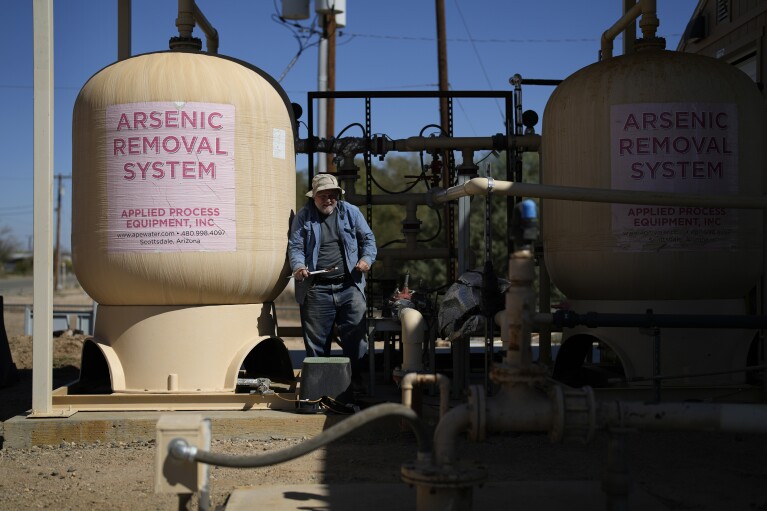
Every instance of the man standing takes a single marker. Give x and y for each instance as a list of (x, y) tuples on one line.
[(330, 234)]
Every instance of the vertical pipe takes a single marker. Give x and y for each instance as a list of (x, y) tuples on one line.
[(630, 34), (185, 20), (42, 337), (616, 481), (656, 362), (123, 29)]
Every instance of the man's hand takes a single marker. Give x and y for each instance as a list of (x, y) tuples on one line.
[(300, 274), (362, 266)]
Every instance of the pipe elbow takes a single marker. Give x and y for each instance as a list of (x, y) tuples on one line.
[(455, 422)]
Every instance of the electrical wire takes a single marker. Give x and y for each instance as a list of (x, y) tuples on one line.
[(298, 31), (479, 59)]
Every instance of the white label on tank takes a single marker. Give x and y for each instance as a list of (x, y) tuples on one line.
[(278, 143), (170, 177), (688, 148)]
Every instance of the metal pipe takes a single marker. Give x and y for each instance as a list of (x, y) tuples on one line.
[(479, 185), (519, 408), (611, 33), (211, 34), (724, 417), (185, 20), (412, 324), (411, 380), (648, 24), (498, 142), (420, 254), (455, 422), (518, 311), (570, 319)]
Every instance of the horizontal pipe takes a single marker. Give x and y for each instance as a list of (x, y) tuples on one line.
[(419, 254), (479, 185), (570, 319), (724, 417)]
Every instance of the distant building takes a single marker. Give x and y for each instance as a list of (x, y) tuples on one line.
[(16, 259), (731, 30)]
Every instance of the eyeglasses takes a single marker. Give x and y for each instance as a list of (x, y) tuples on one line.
[(327, 196)]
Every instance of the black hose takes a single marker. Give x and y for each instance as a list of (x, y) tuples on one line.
[(329, 435)]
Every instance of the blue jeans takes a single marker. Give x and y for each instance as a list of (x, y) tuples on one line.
[(340, 304)]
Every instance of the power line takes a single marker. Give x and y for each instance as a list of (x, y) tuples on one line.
[(479, 59), (567, 40)]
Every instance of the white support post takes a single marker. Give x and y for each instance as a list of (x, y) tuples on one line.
[(42, 338)]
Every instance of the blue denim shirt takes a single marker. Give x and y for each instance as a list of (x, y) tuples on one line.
[(304, 243)]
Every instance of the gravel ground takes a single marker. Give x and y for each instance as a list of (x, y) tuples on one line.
[(706, 471)]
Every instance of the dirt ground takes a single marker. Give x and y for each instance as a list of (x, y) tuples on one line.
[(679, 471)]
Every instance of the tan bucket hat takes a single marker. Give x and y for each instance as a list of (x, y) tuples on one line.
[(324, 182)]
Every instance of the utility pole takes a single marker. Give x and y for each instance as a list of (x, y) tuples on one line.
[(442, 65), (57, 254), (322, 86), (330, 28)]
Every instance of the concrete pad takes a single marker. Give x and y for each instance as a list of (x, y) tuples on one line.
[(22, 432), (520, 496)]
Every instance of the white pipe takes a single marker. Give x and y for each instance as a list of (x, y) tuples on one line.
[(478, 186), (412, 324), (455, 422), (411, 380), (724, 417)]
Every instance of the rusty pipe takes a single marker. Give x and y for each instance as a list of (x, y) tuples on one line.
[(649, 25), (411, 380), (724, 417)]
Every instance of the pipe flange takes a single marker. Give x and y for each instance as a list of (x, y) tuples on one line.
[(574, 414), (431, 476), (502, 374), (477, 408)]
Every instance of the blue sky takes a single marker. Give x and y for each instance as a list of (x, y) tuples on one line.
[(385, 46)]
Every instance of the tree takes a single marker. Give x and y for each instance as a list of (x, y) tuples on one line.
[(8, 244)]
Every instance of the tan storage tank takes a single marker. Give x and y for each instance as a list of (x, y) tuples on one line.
[(184, 180), (654, 121), (183, 187)]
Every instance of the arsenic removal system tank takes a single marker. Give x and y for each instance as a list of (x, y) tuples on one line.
[(659, 121), (183, 185)]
